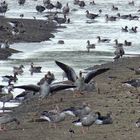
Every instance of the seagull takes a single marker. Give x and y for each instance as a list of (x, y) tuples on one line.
[(82, 83), (6, 118), (45, 89)]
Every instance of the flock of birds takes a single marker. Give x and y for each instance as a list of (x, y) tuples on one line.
[(46, 86)]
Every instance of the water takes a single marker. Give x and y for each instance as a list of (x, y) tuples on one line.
[(75, 36)]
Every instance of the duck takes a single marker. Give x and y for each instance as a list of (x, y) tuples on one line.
[(92, 2), (91, 15), (21, 2), (86, 121), (34, 69), (5, 119), (123, 16), (111, 18), (125, 29), (78, 111), (45, 89), (82, 83), (133, 17), (90, 46), (66, 9), (131, 3), (114, 8), (81, 4), (103, 40), (49, 6), (18, 70), (103, 119), (117, 43), (3, 7), (40, 8), (126, 43)]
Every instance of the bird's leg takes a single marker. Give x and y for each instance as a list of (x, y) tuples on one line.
[(3, 106)]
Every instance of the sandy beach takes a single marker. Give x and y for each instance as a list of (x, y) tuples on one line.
[(122, 101)]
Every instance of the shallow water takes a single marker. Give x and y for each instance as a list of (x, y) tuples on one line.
[(73, 52)]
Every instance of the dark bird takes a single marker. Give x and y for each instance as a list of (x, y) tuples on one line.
[(60, 20), (81, 4), (103, 40), (126, 43), (40, 8), (125, 29), (58, 5), (49, 6), (133, 30), (132, 83), (18, 70), (66, 9), (35, 69), (21, 2), (111, 18), (91, 15), (82, 83), (103, 119), (3, 7), (123, 16), (114, 8), (90, 46)]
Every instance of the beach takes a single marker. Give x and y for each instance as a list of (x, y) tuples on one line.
[(121, 100)]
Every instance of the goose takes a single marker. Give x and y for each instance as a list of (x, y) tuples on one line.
[(133, 30), (138, 123), (10, 78), (133, 17), (118, 44), (86, 121), (58, 5), (82, 83), (78, 111), (21, 2), (103, 40), (66, 9), (103, 119), (111, 18), (53, 117), (119, 52), (123, 16), (45, 2), (40, 8), (60, 20), (91, 15), (92, 2), (49, 6), (34, 69), (81, 4), (76, 2), (8, 97), (125, 29), (18, 70), (126, 43), (132, 83), (3, 7), (114, 8), (131, 3), (90, 46), (5, 119), (45, 89)]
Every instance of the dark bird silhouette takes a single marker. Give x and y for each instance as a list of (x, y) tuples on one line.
[(40, 8), (91, 15), (21, 2)]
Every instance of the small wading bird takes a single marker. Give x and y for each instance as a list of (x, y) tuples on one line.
[(82, 83)]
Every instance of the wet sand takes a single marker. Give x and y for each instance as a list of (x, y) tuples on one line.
[(113, 96)]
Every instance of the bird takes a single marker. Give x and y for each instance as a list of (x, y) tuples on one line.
[(138, 123), (49, 6), (81, 4), (45, 89), (40, 8), (103, 119), (18, 70), (21, 2), (58, 5), (53, 117), (66, 9), (60, 20), (5, 119), (34, 69), (103, 40), (114, 8), (125, 29), (132, 83), (119, 52), (90, 46), (91, 15), (78, 111), (7, 97), (117, 44), (3, 7), (86, 121), (123, 16), (111, 18), (82, 83), (10, 78), (131, 3), (126, 43), (133, 30)]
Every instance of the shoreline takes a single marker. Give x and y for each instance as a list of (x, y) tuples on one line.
[(113, 96)]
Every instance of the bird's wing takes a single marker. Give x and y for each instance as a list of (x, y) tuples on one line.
[(71, 75), (57, 87), (29, 87), (94, 73)]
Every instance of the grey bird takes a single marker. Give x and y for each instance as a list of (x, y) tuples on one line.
[(18, 70), (66, 9), (5, 119), (105, 40), (34, 69), (21, 2), (90, 46), (91, 15), (46, 89), (82, 83), (40, 8), (3, 7)]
